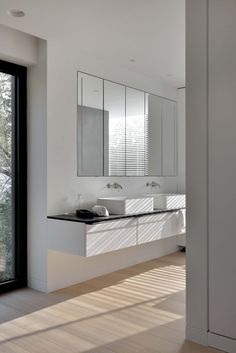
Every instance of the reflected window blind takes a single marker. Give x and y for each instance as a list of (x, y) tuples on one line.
[(128, 145), (135, 145), (116, 146), (146, 137)]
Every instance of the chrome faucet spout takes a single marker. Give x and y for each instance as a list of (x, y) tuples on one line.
[(117, 186), (153, 184)]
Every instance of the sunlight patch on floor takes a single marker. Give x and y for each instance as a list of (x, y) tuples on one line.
[(136, 310)]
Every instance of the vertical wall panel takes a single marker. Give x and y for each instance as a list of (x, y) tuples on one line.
[(196, 178), (222, 167)]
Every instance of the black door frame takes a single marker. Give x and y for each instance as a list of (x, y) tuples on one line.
[(19, 184)]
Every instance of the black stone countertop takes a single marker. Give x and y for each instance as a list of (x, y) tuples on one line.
[(73, 218)]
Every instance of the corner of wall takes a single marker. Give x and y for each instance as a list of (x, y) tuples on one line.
[(197, 335), (17, 47)]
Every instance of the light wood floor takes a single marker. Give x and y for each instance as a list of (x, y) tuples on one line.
[(137, 310)]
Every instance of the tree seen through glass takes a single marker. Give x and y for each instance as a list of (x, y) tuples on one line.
[(6, 231)]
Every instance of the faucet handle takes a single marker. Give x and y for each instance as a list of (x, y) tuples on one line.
[(114, 186)]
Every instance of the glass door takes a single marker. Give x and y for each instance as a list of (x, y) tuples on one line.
[(12, 176)]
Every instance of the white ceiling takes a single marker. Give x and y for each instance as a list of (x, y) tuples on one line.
[(150, 31)]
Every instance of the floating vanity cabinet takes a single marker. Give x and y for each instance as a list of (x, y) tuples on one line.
[(89, 240), (158, 226), (99, 237), (109, 236)]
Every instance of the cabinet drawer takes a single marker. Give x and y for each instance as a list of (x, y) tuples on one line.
[(108, 225), (160, 217), (110, 240), (160, 228)]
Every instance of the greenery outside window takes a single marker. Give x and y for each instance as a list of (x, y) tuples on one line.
[(13, 175)]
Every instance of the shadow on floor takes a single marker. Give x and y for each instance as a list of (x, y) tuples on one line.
[(26, 301)]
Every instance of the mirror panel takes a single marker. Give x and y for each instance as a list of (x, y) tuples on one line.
[(90, 91), (168, 138), (114, 120), (90, 126), (135, 133), (154, 112)]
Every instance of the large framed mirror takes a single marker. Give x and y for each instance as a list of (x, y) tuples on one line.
[(123, 131)]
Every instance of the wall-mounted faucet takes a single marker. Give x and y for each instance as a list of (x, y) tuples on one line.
[(153, 184), (114, 186)]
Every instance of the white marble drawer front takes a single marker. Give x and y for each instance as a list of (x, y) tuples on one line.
[(156, 227), (108, 225), (109, 236), (110, 240)]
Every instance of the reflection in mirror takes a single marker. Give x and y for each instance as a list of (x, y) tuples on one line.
[(154, 112), (169, 138), (136, 134), (123, 131), (90, 125), (114, 107)]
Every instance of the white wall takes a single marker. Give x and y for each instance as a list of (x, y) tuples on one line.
[(65, 57), (23, 49), (17, 47), (181, 140), (63, 182), (222, 173), (37, 170), (196, 173), (65, 270)]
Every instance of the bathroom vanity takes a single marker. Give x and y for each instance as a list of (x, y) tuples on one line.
[(123, 135), (90, 237)]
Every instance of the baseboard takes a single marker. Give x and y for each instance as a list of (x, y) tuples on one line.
[(37, 284), (222, 343), (196, 335)]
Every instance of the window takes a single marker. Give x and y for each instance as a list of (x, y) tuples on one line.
[(13, 176)]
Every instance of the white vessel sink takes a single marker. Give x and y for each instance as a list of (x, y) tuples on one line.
[(125, 205), (168, 201)]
